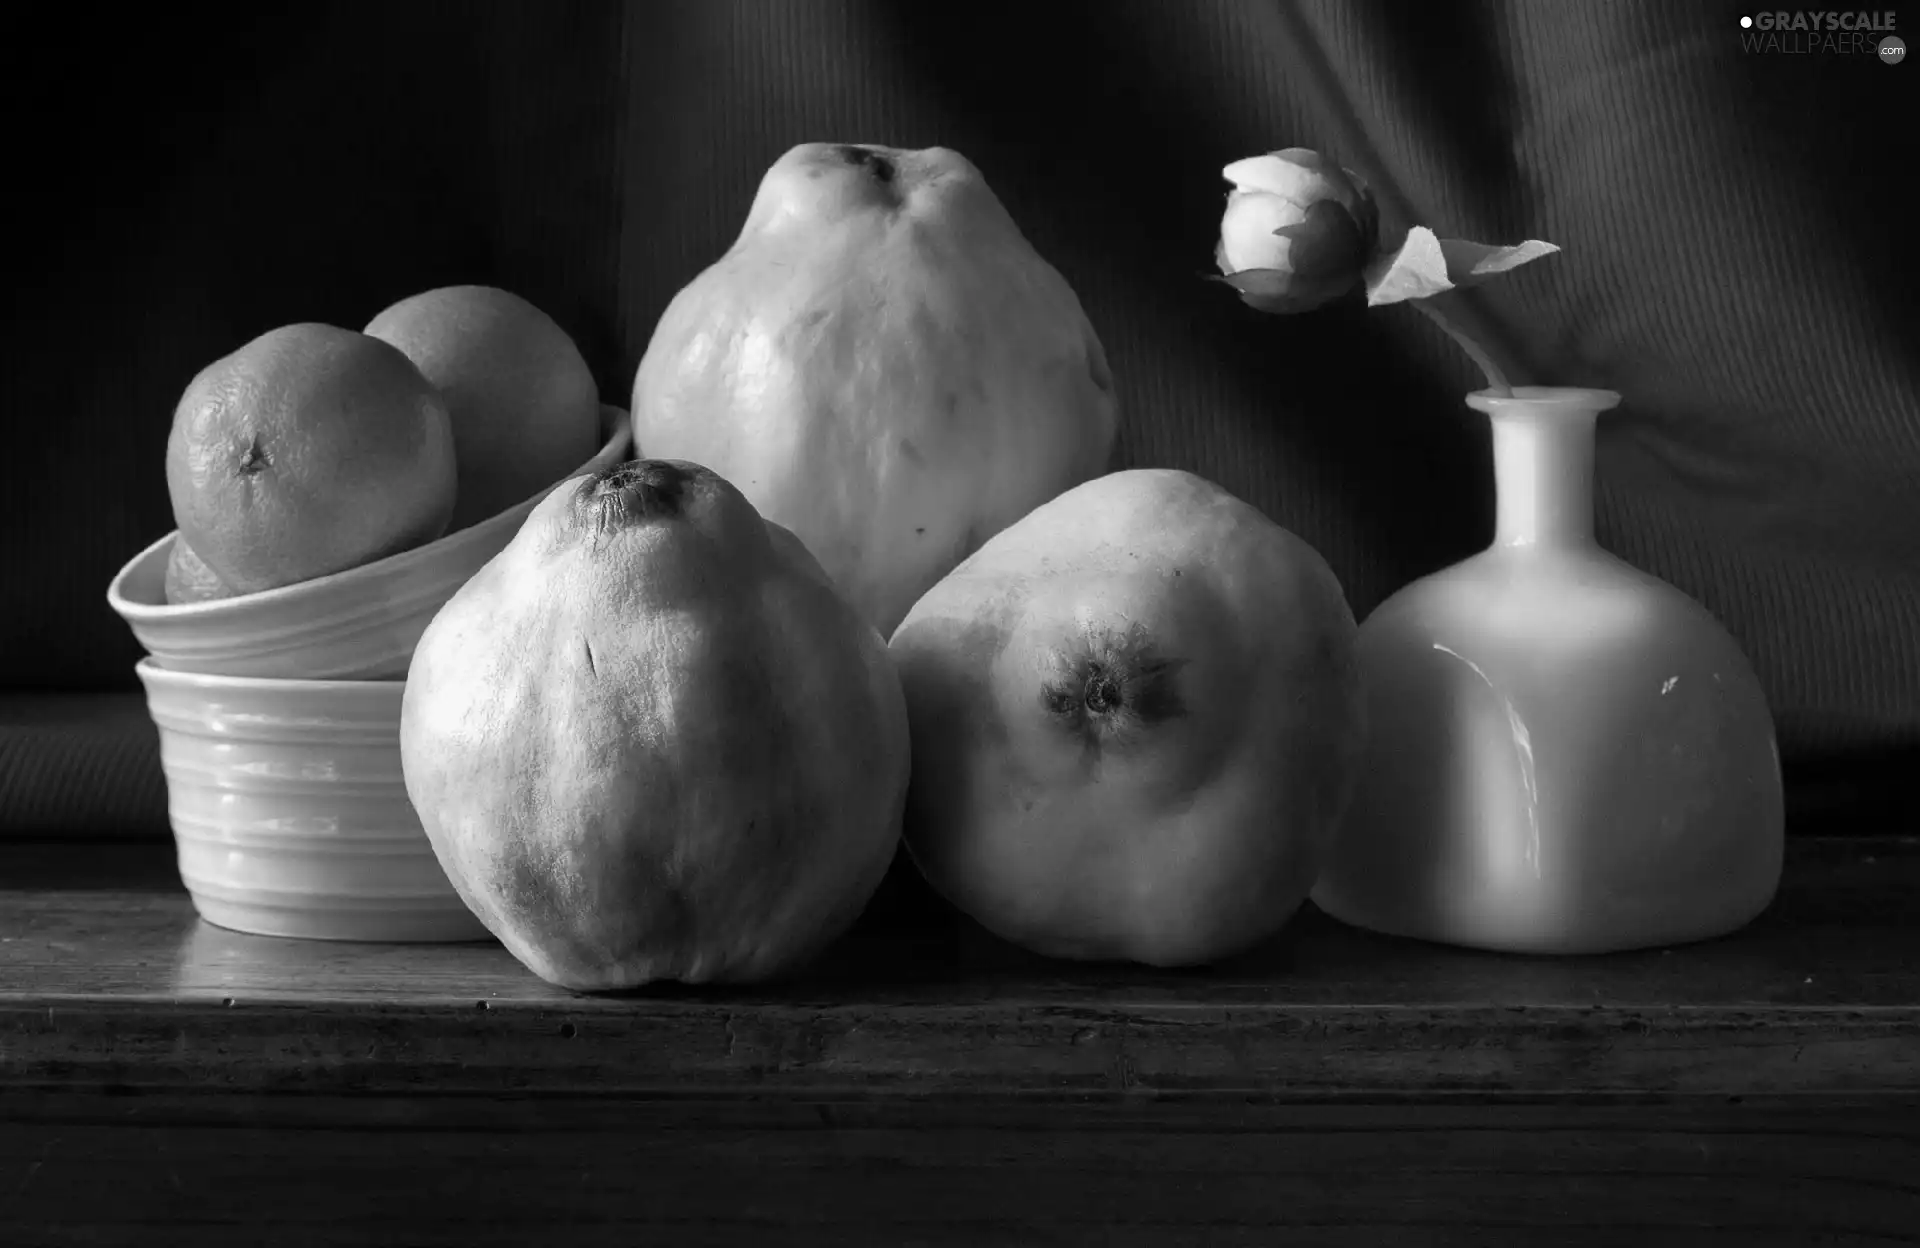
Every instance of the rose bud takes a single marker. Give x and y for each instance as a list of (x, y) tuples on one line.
[(1297, 232)]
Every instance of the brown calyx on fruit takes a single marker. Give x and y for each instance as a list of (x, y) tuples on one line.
[(638, 490), (254, 459), (1111, 686), (882, 184), (881, 166)]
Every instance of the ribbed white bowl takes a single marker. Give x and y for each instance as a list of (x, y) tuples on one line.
[(289, 811), (360, 624)]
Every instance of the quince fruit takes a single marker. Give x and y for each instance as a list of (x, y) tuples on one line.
[(1136, 721), (884, 365), (649, 740)]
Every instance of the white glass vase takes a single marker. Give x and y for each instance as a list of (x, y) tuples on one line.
[(1565, 754)]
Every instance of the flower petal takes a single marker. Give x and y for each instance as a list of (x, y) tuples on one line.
[(1273, 291), (1277, 174), (1327, 242), (1249, 225), (1306, 158), (1366, 219)]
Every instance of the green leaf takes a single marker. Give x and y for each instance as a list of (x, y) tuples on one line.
[(1426, 265), (1469, 263), (1417, 271)]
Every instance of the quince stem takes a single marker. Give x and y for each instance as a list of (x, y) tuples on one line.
[(1496, 380)]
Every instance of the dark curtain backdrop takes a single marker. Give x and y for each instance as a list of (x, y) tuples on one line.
[(1732, 225)]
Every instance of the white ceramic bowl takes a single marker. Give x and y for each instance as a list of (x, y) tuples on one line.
[(290, 815), (360, 624)]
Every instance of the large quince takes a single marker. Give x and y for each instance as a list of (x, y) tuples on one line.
[(651, 741), (884, 365), (1136, 722)]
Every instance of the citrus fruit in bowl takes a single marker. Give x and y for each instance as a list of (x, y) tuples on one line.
[(357, 624), (308, 451), (523, 404)]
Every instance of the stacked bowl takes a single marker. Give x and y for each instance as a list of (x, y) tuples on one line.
[(279, 722)]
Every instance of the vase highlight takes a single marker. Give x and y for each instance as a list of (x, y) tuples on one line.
[(1565, 754)]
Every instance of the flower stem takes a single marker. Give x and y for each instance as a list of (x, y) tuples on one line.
[(1496, 380)]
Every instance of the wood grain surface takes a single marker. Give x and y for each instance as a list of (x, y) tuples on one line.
[(107, 976), (458, 1171), (163, 1080)]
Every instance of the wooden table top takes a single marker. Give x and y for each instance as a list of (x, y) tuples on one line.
[(107, 976)]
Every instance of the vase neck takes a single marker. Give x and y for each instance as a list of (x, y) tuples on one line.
[(1543, 463)]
